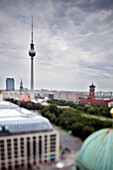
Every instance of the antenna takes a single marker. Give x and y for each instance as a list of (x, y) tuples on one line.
[(32, 30)]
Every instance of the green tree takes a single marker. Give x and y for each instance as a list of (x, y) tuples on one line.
[(91, 110), (86, 131), (77, 128)]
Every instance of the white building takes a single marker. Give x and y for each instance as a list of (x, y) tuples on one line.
[(25, 138)]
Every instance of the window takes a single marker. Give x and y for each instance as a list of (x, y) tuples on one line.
[(28, 149), (15, 140), (53, 136), (34, 138), (34, 148), (52, 149), (22, 153), (40, 147), (22, 141), (22, 147), (9, 155), (52, 157), (1, 142), (9, 141), (53, 142), (2, 156), (40, 137), (15, 148)]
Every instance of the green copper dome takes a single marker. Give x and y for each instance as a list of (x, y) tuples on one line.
[(96, 152)]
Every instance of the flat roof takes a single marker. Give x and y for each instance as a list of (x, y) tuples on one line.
[(17, 119)]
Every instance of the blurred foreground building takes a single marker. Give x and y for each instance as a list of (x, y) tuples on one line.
[(96, 151), (25, 138)]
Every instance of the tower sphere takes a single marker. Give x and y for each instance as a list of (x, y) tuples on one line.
[(32, 52)]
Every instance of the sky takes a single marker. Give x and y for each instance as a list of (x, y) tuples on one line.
[(73, 43)]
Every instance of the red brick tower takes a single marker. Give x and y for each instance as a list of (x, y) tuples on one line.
[(92, 91)]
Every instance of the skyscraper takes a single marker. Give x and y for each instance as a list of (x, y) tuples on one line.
[(9, 84), (32, 53)]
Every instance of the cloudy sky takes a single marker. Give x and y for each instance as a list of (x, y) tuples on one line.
[(73, 40)]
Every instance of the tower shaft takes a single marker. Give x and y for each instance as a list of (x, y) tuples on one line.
[(32, 75)]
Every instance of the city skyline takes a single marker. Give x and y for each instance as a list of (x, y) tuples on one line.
[(73, 41)]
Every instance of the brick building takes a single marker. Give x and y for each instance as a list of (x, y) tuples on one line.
[(91, 99)]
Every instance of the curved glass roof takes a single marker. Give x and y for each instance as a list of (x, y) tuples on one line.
[(15, 119), (96, 151)]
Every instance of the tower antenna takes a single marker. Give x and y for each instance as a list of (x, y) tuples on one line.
[(32, 30)]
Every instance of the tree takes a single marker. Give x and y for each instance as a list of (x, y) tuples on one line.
[(53, 109), (77, 128), (91, 110), (86, 131)]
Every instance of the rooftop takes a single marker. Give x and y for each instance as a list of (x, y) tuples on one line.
[(17, 120)]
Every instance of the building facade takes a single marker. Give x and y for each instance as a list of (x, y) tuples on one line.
[(9, 84), (26, 139), (91, 99)]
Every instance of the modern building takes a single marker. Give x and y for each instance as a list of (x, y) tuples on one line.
[(96, 151), (10, 84), (25, 138)]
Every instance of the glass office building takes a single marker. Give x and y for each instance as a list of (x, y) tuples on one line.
[(9, 84), (25, 138)]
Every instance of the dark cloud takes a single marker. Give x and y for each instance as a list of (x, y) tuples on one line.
[(94, 5), (73, 39)]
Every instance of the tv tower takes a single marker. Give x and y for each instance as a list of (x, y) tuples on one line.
[(32, 53)]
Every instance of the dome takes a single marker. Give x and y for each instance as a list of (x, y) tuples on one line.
[(96, 152)]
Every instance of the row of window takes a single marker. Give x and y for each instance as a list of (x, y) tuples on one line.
[(52, 137), (51, 157), (28, 145)]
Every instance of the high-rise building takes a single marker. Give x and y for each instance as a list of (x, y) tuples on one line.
[(25, 138), (32, 53), (9, 84)]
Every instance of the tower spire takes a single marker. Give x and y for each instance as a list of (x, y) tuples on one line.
[(32, 30), (21, 86)]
